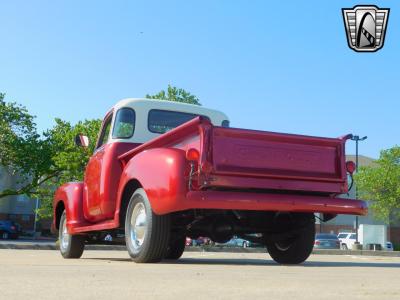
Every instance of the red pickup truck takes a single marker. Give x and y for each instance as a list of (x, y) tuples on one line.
[(163, 171)]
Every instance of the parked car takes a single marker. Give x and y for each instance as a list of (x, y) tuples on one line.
[(188, 241), (9, 230), (389, 246), (347, 240), (201, 241), (326, 241), (237, 242), (240, 242)]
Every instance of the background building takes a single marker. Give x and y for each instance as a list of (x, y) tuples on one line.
[(20, 209)]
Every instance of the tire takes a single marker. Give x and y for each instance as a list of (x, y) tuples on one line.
[(71, 246), (296, 249), (146, 234), (245, 245), (344, 247), (176, 247)]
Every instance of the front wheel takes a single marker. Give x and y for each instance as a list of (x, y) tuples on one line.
[(296, 248), (71, 246), (146, 234)]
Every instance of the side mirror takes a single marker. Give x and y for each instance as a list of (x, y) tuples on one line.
[(82, 140)]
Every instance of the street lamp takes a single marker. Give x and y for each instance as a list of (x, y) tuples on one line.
[(357, 139)]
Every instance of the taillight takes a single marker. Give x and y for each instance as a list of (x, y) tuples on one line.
[(192, 154), (350, 167)]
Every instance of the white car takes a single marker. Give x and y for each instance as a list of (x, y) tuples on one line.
[(347, 239)]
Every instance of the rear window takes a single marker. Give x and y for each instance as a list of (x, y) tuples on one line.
[(342, 235), (325, 237), (161, 121)]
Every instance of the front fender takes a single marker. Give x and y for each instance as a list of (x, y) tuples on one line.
[(161, 172), (71, 196)]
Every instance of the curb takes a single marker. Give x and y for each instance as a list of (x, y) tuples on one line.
[(357, 252), (53, 246)]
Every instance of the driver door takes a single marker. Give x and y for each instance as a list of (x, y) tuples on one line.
[(93, 184)]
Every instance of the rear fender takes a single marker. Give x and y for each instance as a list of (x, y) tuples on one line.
[(70, 195), (162, 174)]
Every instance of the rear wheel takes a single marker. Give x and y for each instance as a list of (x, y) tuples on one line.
[(71, 246), (5, 235), (146, 234), (176, 247), (297, 247), (344, 247)]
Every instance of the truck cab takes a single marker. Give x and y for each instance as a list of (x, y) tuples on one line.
[(162, 171), (129, 124)]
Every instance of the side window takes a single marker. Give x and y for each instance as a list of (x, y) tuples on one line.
[(105, 132), (124, 125), (353, 236)]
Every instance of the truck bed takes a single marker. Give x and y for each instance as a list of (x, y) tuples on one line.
[(247, 159)]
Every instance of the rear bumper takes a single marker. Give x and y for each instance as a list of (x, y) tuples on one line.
[(274, 202)]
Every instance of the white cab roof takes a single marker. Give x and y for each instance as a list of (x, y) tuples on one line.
[(143, 106)]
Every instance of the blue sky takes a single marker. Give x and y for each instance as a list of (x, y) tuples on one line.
[(276, 66)]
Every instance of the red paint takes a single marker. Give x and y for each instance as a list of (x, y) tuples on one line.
[(296, 173), (102, 180), (71, 195), (273, 202), (281, 158), (162, 173)]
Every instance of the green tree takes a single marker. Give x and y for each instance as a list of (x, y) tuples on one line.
[(69, 159), (42, 163), (22, 152), (381, 184), (175, 94)]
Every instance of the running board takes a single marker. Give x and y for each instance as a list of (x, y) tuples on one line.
[(104, 225)]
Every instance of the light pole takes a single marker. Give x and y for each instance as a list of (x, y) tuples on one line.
[(357, 139), (34, 223)]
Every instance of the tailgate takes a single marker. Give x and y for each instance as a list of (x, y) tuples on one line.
[(248, 153)]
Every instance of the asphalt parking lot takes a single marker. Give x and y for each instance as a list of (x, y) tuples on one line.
[(43, 274)]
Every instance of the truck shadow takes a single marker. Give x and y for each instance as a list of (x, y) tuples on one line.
[(259, 262), (267, 262)]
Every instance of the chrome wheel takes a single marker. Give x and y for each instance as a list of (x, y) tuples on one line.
[(147, 235), (71, 246), (283, 245), (138, 226), (64, 240)]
